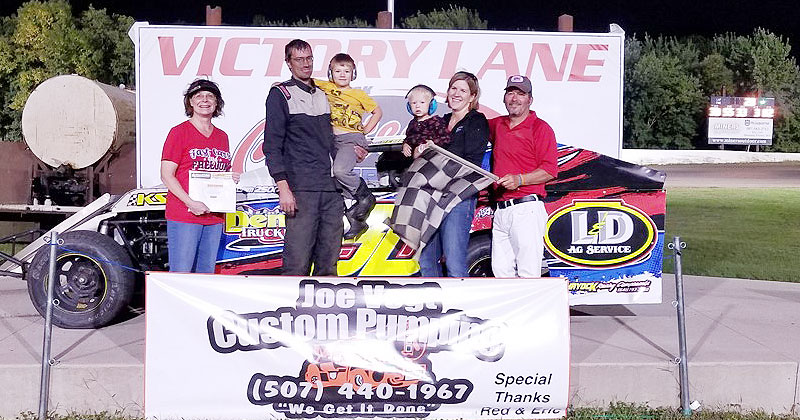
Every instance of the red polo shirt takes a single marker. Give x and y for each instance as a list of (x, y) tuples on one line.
[(528, 146)]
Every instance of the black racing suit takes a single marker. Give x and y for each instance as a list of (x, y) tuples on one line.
[(298, 146)]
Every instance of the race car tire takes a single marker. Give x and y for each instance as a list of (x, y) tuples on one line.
[(479, 256), (95, 280)]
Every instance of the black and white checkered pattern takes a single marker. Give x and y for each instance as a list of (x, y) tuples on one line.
[(431, 187)]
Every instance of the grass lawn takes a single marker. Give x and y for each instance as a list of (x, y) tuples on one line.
[(740, 233), (626, 411), (615, 411)]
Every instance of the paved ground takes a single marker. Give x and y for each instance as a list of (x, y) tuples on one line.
[(744, 175), (742, 343)]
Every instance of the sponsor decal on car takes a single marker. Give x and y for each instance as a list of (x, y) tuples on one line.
[(255, 227), (600, 233), (618, 286), (148, 199)]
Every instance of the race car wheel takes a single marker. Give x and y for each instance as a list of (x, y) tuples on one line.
[(94, 282), (479, 256)]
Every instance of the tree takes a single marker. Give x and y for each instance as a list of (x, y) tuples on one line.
[(339, 22), (668, 81), (662, 101), (715, 76), (44, 39), (453, 17), (7, 68), (762, 63), (106, 50)]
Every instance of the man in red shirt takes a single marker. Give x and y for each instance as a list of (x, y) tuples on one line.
[(524, 157)]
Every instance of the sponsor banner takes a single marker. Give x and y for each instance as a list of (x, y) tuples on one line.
[(723, 130), (291, 347), (576, 77)]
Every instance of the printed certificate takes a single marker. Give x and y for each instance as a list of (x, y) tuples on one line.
[(215, 189)]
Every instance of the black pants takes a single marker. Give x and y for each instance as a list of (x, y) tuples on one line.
[(314, 234)]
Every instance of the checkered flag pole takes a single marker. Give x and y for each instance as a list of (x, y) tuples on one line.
[(463, 162), (434, 183)]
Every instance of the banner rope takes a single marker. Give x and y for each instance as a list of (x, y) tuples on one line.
[(101, 259)]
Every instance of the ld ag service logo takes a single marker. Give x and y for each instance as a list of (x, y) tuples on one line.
[(599, 234)]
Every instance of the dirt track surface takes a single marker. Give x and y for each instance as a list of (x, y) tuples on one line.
[(732, 175)]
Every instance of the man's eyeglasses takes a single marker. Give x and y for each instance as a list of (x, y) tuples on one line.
[(303, 60)]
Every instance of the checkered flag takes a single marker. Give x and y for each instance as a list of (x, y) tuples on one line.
[(434, 183)]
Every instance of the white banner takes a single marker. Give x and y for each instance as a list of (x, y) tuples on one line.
[(577, 78), (242, 347)]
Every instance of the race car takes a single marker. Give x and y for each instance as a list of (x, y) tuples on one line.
[(605, 234)]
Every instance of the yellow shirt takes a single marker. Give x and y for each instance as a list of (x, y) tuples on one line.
[(348, 105)]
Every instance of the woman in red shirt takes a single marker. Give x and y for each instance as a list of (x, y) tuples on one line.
[(193, 232)]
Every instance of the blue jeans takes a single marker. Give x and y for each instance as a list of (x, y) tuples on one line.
[(450, 240), (193, 247)]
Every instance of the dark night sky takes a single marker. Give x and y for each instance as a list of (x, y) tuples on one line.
[(677, 17)]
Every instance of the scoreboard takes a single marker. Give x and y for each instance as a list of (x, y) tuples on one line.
[(740, 120)]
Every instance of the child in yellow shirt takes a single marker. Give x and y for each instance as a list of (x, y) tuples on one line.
[(349, 106)]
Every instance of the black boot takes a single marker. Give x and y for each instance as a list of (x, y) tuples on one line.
[(365, 202), (357, 227)]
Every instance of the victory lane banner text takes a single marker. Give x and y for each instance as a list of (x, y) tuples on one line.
[(577, 77), (294, 347)]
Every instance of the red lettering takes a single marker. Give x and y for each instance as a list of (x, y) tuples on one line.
[(582, 61), (332, 47), (228, 65), (169, 62), (403, 59), (450, 60), (508, 64), (547, 63), (277, 57), (376, 55), (249, 149), (390, 128), (210, 48)]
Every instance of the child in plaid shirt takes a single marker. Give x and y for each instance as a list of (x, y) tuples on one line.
[(425, 126)]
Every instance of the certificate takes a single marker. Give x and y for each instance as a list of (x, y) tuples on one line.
[(214, 189)]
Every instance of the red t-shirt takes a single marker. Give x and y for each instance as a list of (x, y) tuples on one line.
[(528, 146), (193, 151)]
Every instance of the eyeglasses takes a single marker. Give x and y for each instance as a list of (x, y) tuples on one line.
[(204, 96), (303, 60)]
